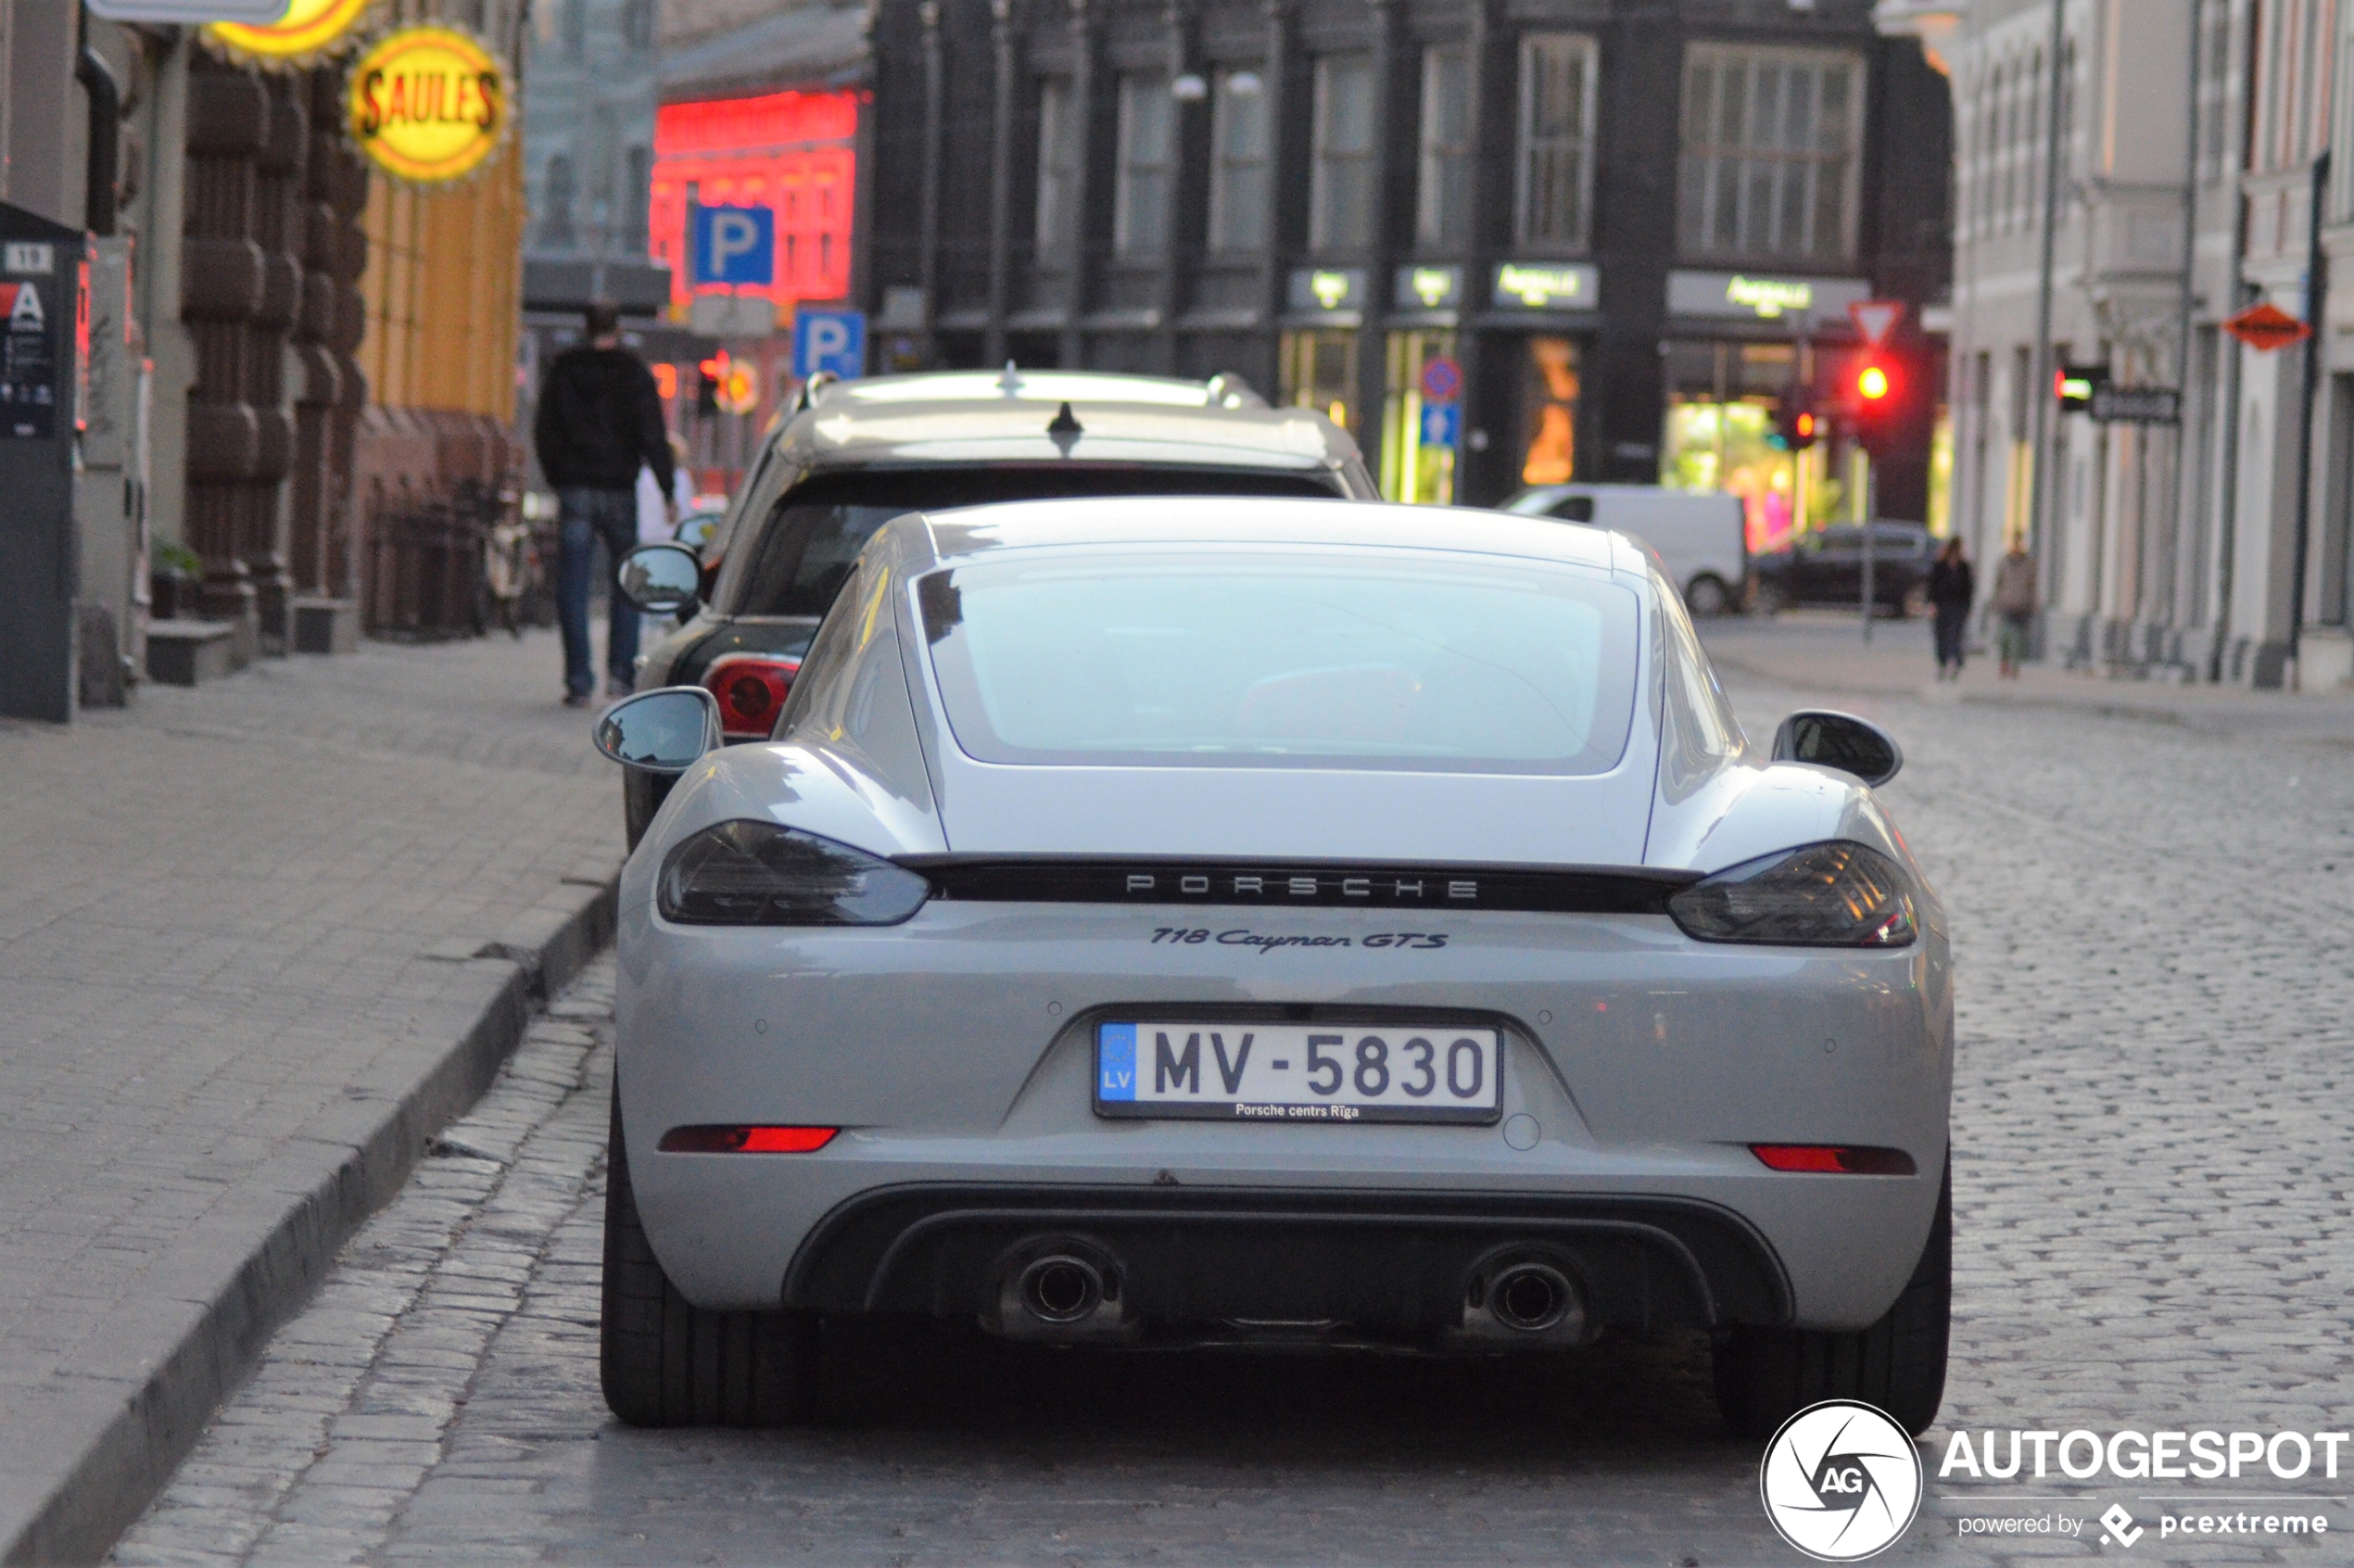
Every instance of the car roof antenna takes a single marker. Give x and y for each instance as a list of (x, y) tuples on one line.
[(1065, 430), (1011, 383)]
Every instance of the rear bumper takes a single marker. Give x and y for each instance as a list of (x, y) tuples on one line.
[(1192, 1263), (957, 1055)]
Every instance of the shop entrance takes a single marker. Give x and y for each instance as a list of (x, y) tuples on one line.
[(1420, 433), (1319, 372)]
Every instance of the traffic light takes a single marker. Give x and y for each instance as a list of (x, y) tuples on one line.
[(2075, 385), (1875, 388), (1796, 426), (715, 372)]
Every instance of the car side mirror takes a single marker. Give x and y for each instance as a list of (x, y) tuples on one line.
[(1840, 741), (660, 579), (661, 731)]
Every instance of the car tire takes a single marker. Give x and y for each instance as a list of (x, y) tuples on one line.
[(664, 1361), (1707, 595), (1769, 600), (1767, 1375)]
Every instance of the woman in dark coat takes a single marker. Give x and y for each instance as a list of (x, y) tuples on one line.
[(1951, 590)]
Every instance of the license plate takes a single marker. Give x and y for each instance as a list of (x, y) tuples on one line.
[(1297, 1072)]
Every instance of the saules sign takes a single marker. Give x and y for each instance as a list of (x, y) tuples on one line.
[(428, 105)]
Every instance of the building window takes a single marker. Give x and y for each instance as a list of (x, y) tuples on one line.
[(638, 24), (1341, 186), (1442, 215), (1057, 164), (1140, 200), (1769, 153), (1238, 170), (576, 24), (557, 190), (1556, 140)]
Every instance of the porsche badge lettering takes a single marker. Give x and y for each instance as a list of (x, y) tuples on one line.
[(1392, 890)]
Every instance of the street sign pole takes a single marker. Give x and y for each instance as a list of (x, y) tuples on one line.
[(2316, 282), (1871, 483)]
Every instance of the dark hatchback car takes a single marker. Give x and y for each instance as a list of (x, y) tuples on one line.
[(854, 454), (1826, 568)]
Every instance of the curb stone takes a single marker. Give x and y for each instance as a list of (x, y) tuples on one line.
[(82, 1458)]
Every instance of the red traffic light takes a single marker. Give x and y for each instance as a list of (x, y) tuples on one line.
[(1805, 425), (1872, 384)]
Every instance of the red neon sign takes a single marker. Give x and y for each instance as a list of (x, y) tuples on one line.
[(791, 152)]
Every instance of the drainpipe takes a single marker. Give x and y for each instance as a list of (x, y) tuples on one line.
[(2183, 504), (2054, 106), (106, 131)]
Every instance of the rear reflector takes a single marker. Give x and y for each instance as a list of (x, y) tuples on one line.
[(745, 1140), (1835, 1159)]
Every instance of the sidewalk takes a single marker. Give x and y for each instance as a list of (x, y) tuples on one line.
[(1822, 653), (258, 941)]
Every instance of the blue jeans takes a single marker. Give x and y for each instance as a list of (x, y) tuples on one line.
[(583, 517)]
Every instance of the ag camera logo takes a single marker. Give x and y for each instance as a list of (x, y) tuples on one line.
[(1841, 1480)]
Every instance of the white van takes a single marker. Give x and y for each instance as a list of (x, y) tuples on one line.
[(1699, 535)]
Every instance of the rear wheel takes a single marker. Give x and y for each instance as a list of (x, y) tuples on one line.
[(1707, 595), (1769, 600), (1767, 1375), (664, 1361)]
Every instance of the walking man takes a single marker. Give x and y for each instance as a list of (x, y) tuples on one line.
[(2015, 606), (600, 419), (1952, 587)]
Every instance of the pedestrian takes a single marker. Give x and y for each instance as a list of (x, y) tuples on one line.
[(1951, 589), (2015, 606), (600, 420)]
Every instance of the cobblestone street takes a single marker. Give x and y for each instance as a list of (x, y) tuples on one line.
[(2152, 1186)]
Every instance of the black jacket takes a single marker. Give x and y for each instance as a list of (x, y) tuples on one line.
[(1952, 585), (600, 417)]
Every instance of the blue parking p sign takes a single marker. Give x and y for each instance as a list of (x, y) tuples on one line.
[(735, 245), (834, 341)]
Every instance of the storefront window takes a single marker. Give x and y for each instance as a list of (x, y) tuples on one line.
[(1320, 372), (1549, 400), (1419, 435), (1720, 410)]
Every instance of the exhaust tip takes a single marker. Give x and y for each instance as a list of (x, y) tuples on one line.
[(1061, 1289), (1530, 1298)]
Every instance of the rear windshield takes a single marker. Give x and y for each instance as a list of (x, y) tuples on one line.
[(1398, 660), (803, 555)]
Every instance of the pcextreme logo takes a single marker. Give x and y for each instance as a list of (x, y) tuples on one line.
[(1841, 1480)]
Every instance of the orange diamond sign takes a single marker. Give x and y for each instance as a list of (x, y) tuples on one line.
[(2265, 327)]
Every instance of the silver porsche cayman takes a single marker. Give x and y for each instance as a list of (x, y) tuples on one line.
[(1282, 922)]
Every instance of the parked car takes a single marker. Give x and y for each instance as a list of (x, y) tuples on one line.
[(858, 453), (1701, 535), (1826, 568), (1275, 923)]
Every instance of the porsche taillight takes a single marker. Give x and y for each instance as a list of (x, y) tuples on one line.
[(752, 689)]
